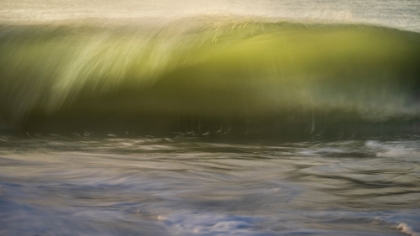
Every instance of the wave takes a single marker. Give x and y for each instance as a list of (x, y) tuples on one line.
[(214, 69)]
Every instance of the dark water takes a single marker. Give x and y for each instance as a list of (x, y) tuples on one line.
[(86, 185)]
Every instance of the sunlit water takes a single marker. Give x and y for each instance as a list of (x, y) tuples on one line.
[(51, 185), (396, 13)]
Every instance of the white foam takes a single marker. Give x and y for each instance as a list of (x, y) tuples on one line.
[(407, 229), (397, 152), (189, 223), (402, 14), (394, 149)]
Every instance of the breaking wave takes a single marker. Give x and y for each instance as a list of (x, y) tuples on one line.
[(200, 72)]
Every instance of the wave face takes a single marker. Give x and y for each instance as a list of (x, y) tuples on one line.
[(228, 70)]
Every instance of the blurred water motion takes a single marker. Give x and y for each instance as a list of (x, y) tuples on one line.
[(100, 69), (218, 69), (227, 117), (152, 186)]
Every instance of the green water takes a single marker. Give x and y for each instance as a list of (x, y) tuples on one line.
[(223, 69)]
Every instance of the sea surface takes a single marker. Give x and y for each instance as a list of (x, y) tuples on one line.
[(84, 185), (196, 117)]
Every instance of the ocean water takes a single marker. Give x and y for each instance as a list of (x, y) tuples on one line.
[(209, 117), (53, 185)]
